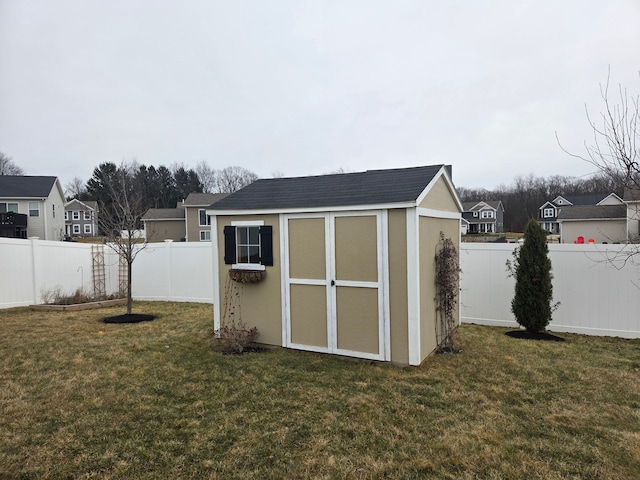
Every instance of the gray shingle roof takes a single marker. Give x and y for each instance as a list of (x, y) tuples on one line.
[(164, 214), (347, 189), (13, 186), (203, 199), (586, 199), (592, 212)]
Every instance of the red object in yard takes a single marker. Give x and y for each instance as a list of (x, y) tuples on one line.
[(580, 239), (591, 240)]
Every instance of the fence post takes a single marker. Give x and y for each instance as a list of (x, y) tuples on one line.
[(35, 258), (168, 267)]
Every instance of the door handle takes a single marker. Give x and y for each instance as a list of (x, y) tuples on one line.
[(333, 283)]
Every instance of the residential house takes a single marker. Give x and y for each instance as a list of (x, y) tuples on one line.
[(187, 222), (483, 217), (548, 212), (36, 205), (81, 218), (164, 224), (341, 264), (593, 223)]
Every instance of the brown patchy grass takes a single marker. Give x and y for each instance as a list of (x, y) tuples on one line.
[(83, 399)]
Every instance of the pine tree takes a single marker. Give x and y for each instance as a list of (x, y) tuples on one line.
[(531, 303)]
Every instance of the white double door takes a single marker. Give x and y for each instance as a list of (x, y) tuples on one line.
[(334, 283)]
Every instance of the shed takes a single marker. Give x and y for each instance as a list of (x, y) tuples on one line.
[(345, 262)]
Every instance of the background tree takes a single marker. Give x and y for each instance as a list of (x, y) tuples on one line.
[(8, 166), (531, 268), (76, 188), (207, 176), (232, 179)]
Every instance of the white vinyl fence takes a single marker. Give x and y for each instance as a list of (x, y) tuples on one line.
[(598, 285)]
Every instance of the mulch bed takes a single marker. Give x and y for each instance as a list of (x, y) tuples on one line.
[(524, 334), (130, 318)]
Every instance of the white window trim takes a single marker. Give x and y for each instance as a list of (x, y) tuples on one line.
[(76, 229), (548, 213), (66, 215), (87, 215), (75, 214), (204, 232), (248, 266), (487, 214), (207, 218), (87, 228)]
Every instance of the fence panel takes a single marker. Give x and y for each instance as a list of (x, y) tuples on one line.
[(598, 287), (174, 271)]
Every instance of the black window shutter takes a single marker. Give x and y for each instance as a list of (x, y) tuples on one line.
[(266, 244), (229, 245)]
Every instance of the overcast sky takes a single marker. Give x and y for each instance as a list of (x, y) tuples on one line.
[(309, 87)]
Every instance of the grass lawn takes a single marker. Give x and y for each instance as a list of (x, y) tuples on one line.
[(83, 399)]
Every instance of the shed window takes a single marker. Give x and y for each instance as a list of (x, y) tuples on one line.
[(248, 246)]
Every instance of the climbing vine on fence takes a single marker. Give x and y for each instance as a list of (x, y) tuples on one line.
[(447, 293)]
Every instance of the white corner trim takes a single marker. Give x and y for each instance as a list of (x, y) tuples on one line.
[(413, 287), (216, 274)]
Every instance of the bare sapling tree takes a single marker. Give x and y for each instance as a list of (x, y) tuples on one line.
[(120, 220)]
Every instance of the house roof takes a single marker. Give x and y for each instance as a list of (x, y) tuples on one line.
[(592, 212), (164, 214), (14, 186), (593, 199), (203, 199), (470, 206), (347, 189), (90, 204)]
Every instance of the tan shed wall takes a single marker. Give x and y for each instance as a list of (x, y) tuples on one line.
[(429, 231), (601, 231), (440, 198), (261, 305), (158, 231), (398, 296)]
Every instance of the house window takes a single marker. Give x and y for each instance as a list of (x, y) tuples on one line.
[(76, 229), (8, 207), (87, 215), (34, 209), (66, 215), (487, 214), (53, 210), (475, 214), (205, 235), (87, 228), (248, 245), (203, 218), (76, 215), (548, 213)]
